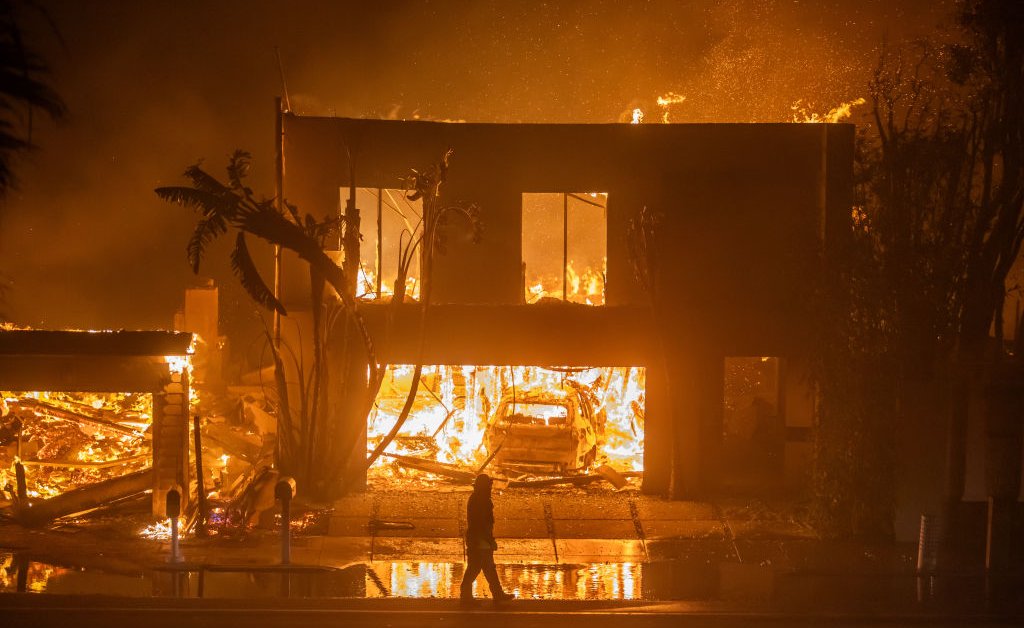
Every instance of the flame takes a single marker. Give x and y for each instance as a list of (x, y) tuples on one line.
[(834, 115), (455, 404), (638, 116), (72, 439), (53, 435), (666, 101), (161, 530), (366, 287), (583, 285), (183, 363)]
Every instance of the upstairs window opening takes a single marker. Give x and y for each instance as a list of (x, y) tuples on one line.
[(385, 215), (565, 247)]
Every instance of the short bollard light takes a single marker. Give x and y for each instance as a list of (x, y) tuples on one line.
[(285, 491), (173, 508)]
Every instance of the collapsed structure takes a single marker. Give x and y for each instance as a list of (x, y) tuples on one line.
[(107, 410)]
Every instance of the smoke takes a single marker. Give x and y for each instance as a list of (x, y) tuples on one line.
[(154, 87)]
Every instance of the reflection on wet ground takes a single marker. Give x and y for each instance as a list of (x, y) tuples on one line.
[(742, 586)]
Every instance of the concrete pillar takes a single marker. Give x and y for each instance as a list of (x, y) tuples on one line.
[(687, 428), (657, 433), (797, 407), (170, 441), (711, 408)]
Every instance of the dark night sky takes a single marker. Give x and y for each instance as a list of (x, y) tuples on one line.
[(152, 87)]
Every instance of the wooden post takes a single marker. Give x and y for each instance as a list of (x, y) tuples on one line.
[(200, 480)]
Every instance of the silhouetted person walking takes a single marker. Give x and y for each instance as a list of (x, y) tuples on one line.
[(480, 543)]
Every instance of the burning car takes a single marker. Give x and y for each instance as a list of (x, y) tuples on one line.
[(544, 431)]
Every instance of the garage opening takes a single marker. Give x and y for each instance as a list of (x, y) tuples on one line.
[(529, 425)]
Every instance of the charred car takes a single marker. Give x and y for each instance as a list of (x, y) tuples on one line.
[(544, 431)]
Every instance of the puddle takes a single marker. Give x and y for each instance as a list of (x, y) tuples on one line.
[(658, 580), (739, 585)]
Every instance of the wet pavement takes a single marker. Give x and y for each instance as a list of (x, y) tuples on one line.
[(383, 552)]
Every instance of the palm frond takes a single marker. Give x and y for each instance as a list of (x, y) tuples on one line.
[(16, 85), (246, 271), (238, 169), (202, 180), (206, 231), (266, 223), (209, 203)]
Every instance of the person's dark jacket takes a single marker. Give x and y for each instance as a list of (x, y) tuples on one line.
[(480, 520)]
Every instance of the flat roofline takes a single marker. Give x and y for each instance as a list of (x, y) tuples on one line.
[(111, 342), (589, 125)]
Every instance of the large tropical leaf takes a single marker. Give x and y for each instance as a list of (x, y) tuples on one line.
[(21, 92), (266, 223), (238, 170), (206, 231), (15, 85), (252, 281), (209, 203), (202, 180)]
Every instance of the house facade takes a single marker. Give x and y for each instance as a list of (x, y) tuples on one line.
[(746, 214)]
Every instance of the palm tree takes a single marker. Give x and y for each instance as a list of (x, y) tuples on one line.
[(22, 91), (233, 206)]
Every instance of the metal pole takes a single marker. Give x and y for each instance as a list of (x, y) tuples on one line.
[(279, 192), (284, 491), (173, 508), (565, 247), (286, 538), (174, 539)]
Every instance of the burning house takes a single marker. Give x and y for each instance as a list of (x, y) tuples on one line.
[(92, 417), (538, 353), (543, 352)]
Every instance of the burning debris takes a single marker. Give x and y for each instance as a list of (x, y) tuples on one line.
[(533, 426), (70, 440)]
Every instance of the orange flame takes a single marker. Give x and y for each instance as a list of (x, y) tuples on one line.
[(834, 115), (455, 405), (666, 101)]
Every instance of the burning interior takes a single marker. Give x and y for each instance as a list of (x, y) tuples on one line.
[(69, 444), (523, 423), (67, 440), (565, 254)]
